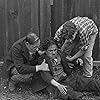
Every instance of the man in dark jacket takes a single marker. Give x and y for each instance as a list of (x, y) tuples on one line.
[(22, 60), (60, 83)]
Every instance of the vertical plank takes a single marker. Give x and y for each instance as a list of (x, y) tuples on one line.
[(99, 25), (69, 9), (24, 16), (27, 17), (35, 16), (18, 20), (72, 9), (6, 25), (12, 15), (62, 11), (96, 16), (93, 6), (45, 16), (57, 15), (2, 29)]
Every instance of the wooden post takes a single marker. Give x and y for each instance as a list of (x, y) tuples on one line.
[(45, 15), (98, 15), (18, 20), (57, 15), (35, 16), (62, 11), (6, 27), (51, 2)]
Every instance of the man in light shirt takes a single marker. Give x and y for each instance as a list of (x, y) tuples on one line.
[(78, 33)]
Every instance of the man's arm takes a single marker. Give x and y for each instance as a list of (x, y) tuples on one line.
[(19, 62), (26, 68), (47, 77), (77, 55), (61, 88)]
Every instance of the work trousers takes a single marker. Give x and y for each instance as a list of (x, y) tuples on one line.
[(76, 86)]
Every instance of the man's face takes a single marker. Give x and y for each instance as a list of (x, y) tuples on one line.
[(33, 48), (71, 37), (52, 51)]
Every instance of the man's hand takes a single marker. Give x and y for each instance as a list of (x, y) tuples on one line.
[(43, 67), (62, 89)]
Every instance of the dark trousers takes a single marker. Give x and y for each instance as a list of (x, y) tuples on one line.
[(80, 83), (76, 85)]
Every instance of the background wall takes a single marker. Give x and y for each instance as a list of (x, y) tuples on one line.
[(17, 17)]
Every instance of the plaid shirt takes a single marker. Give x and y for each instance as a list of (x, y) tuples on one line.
[(85, 26)]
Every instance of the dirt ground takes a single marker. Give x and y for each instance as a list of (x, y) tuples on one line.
[(24, 92)]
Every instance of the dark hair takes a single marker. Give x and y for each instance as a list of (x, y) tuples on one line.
[(31, 38), (66, 32), (47, 43), (68, 29)]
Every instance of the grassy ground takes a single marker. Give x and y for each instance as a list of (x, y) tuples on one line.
[(23, 92)]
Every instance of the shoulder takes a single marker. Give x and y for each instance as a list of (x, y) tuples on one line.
[(16, 47), (19, 43)]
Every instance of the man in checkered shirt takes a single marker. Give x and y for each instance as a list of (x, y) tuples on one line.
[(78, 34)]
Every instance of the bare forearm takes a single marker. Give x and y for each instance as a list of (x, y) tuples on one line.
[(54, 83), (61, 88)]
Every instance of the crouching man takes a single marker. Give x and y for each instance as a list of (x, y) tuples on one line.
[(78, 37), (22, 60)]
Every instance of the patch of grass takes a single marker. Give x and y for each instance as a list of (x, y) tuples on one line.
[(24, 92)]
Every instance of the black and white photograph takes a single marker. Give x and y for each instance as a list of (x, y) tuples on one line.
[(49, 50)]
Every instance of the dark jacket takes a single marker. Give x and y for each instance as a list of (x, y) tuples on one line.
[(18, 56), (48, 76), (42, 78)]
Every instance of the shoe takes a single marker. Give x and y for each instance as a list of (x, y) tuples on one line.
[(11, 86)]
